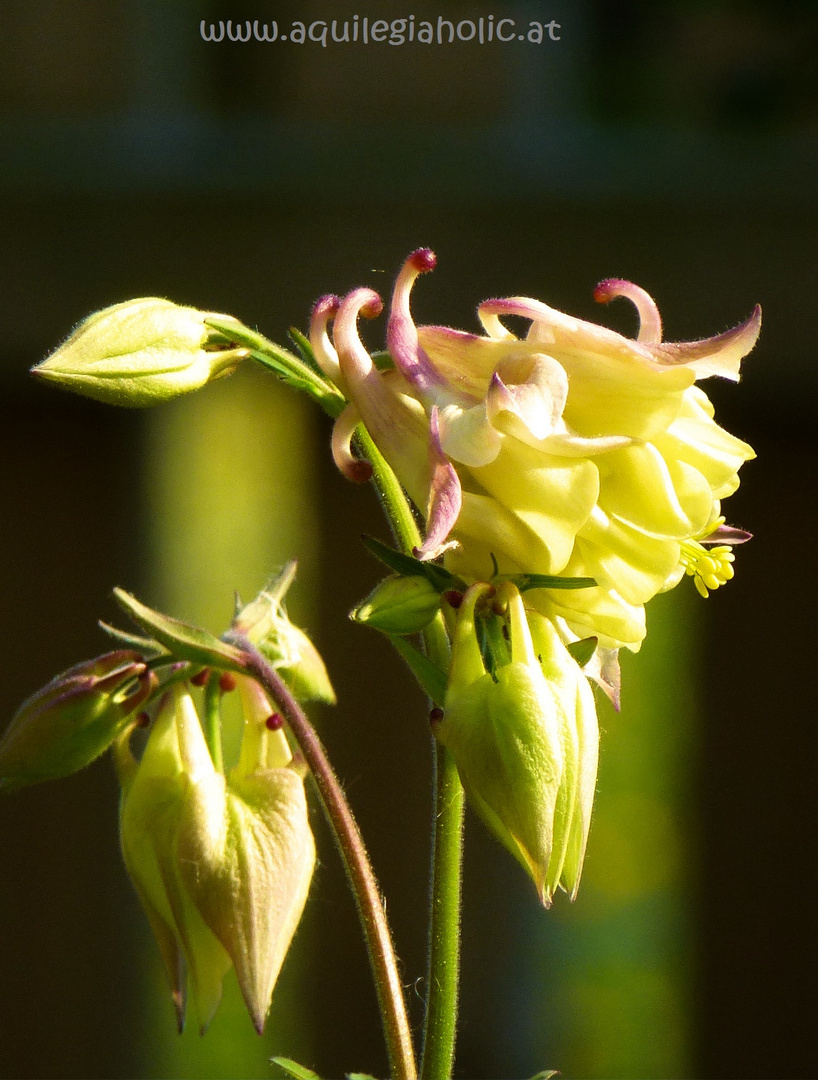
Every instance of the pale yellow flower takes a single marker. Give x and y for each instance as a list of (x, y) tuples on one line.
[(573, 451)]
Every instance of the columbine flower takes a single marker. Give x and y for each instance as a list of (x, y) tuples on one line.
[(153, 793), (141, 352), (573, 451), (246, 850), (524, 736), (222, 865)]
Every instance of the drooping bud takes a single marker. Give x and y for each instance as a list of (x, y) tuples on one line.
[(141, 352), (73, 719), (522, 735), (150, 814), (246, 851), (289, 650), (579, 735), (399, 605)]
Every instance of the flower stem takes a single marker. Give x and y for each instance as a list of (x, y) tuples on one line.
[(440, 1030), (443, 970), (356, 862), (213, 720)]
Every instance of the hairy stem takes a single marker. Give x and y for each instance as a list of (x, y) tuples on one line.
[(443, 968), (356, 862)]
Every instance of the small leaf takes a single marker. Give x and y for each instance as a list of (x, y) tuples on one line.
[(546, 581), (292, 1068), (431, 678), (305, 350), (147, 646), (360, 1076), (382, 360), (438, 576), (583, 650), (546, 1074), (182, 640)]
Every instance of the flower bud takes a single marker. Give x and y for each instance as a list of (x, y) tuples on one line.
[(139, 353), (515, 735), (399, 605), (287, 647), (69, 722), (579, 735), (150, 814), (246, 853)]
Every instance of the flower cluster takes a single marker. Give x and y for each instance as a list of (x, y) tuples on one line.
[(572, 451)]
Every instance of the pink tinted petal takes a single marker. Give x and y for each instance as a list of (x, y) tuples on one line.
[(465, 362), (402, 335), (355, 361), (718, 355), (604, 670), (650, 322), (726, 534), (354, 469), (324, 310), (396, 422), (445, 498), (537, 400)]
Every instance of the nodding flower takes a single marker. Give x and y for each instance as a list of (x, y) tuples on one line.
[(222, 864), (524, 735), (573, 450)]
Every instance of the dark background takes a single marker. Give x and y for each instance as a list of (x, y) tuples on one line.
[(674, 145)]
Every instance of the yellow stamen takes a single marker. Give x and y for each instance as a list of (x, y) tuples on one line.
[(708, 568)]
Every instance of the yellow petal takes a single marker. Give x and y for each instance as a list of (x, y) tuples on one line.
[(553, 496)]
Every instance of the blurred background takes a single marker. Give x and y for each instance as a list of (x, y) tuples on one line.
[(675, 145)]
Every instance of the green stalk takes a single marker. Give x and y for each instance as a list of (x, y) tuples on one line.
[(443, 971), (212, 721), (440, 1028), (356, 862), (443, 967)]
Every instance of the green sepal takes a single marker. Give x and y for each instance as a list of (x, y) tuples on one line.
[(292, 1068), (431, 679), (147, 646), (438, 576), (524, 582), (305, 350), (360, 1076), (382, 360), (179, 638), (583, 650)]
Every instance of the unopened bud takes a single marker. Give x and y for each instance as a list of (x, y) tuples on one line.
[(246, 853), (285, 645), (139, 353), (399, 605), (71, 721), (524, 738), (150, 813)]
